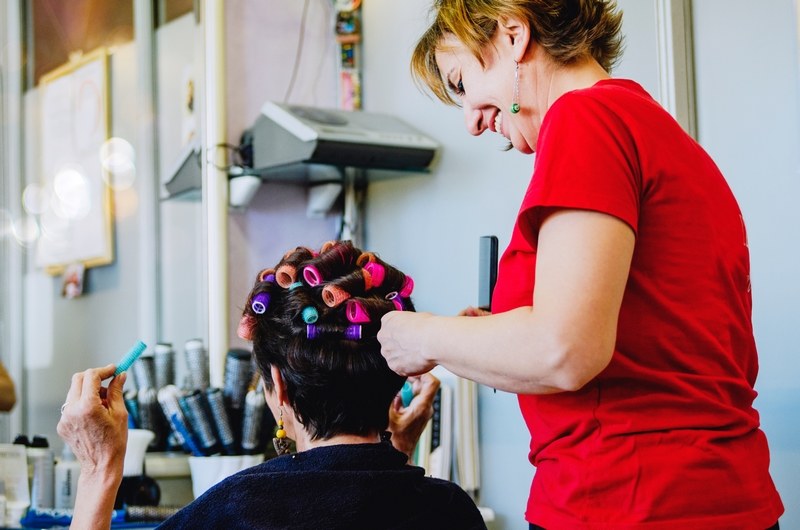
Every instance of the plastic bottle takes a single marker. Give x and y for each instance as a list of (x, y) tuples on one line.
[(67, 471), (41, 460)]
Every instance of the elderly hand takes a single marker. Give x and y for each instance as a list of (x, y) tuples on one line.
[(401, 339), (94, 422), (407, 423)]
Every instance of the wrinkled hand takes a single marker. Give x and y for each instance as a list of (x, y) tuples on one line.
[(407, 423), (94, 421), (401, 342)]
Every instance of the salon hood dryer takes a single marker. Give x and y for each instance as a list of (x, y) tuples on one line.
[(286, 140)]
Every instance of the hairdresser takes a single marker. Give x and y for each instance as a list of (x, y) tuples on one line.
[(313, 321), (622, 311)]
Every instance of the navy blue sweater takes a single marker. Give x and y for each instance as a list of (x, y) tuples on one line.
[(364, 486)]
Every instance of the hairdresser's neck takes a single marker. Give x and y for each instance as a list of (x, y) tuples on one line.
[(304, 441)]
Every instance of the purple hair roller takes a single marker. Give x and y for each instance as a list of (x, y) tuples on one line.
[(312, 275), (377, 271), (269, 277), (398, 303), (311, 331), (260, 303), (353, 332), (356, 312)]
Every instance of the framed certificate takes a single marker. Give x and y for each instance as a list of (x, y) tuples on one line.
[(77, 226)]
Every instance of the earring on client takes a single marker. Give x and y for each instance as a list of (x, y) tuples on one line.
[(280, 441), (515, 101)]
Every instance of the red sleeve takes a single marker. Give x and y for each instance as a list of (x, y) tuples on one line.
[(585, 159)]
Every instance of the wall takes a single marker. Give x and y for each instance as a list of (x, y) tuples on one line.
[(749, 120), (262, 40)]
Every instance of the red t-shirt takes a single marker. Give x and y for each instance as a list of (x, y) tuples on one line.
[(666, 436)]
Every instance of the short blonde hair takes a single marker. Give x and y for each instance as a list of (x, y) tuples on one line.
[(566, 29)]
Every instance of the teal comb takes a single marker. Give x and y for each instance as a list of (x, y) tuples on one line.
[(130, 357)]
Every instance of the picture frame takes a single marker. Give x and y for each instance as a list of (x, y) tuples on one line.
[(75, 123)]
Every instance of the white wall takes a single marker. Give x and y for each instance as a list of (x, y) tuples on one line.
[(748, 101)]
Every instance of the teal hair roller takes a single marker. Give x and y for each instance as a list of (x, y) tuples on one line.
[(130, 357), (406, 394)]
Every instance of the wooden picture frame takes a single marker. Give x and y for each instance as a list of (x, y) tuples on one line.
[(75, 124)]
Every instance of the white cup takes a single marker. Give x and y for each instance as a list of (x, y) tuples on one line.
[(208, 470), (138, 440)]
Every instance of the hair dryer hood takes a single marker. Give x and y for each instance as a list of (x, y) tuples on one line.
[(287, 135)]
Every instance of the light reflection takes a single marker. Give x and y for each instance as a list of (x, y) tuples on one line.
[(126, 203), (35, 199), (25, 230), (117, 157), (72, 193)]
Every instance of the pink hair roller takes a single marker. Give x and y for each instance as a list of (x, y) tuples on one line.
[(312, 275), (377, 271), (356, 312), (334, 295), (408, 287), (245, 328), (286, 275)]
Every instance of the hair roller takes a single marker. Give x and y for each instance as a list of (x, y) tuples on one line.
[(326, 246), (333, 295), (286, 275), (353, 332), (367, 279), (365, 257), (310, 314), (266, 275), (398, 303), (356, 313), (260, 303), (408, 287), (376, 271), (312, 275), (245, 328)]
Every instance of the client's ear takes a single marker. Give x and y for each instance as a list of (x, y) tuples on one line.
[(280, 386)]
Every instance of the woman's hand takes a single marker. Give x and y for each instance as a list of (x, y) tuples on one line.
[(94, 422), (407, 423), (401, 337)]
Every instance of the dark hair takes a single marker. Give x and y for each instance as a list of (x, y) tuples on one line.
[(336, 382), (567, 29)]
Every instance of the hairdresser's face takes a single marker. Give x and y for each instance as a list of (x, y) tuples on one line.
[(486, 93)]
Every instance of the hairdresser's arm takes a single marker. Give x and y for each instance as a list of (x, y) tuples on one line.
[(560, 344), (94, 423)]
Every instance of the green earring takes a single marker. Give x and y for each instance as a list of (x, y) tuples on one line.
[(515, 106)]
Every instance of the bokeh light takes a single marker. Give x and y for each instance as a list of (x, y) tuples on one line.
[(35, 199), (73, 199), (126, 203), (25, 230), (118, 159)]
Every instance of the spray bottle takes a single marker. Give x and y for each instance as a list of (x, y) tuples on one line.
[(66, 485)]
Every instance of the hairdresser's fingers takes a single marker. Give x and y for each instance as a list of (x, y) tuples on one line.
[(474, 312)]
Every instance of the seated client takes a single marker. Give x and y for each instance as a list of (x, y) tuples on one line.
[(313, 320)]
